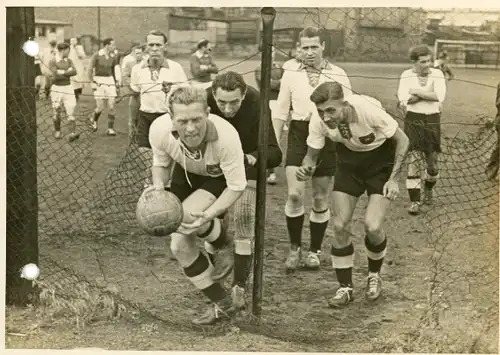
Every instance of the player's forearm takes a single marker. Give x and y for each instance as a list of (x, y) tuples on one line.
[(213, 69), (224, 202), (311, 158), (401, 150), (426, 95), (160, 176), (70, 72), (278, 128)]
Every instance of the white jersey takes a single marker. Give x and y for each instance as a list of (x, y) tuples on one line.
[(373, 128), (436, 82), (295, 91), (223, 155)]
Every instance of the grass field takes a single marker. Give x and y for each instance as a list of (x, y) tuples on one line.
[(88, 235)]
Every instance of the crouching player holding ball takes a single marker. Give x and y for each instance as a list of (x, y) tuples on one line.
[(208, 176), (369, 158)]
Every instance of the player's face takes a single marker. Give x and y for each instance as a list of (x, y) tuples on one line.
[(112, 46), (311, 50), (156, 46), (65, 53), (423, 64), (229, 102), (190, 122), (331, 112), (138, 55), (73, 41)]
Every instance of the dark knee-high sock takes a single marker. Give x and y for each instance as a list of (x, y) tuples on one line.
[(376, 254), (413, 185), (200, 274), (342, 263), (294, 224)]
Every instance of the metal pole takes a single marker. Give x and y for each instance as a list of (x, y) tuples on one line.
[(99, 25), (22, 197), (268, 14)]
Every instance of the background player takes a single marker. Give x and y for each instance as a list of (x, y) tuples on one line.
[(370, 156), (276, 74), (202, 64), (208, 177), (493, 164), (296, 88), (421, 93), (151, 81), (61, 92), (129, 61), (105, 75), (232, 99)]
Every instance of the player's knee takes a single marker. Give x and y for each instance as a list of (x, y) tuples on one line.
[(180, 246), (71, 118), (295, 197), (339, 225), (320, 201), (373, 225)]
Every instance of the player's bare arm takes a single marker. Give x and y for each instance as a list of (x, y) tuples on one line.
[(402, 144), (424, 95), (309, 164), (161, 176)]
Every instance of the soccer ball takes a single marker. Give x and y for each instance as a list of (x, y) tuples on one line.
[(159, 212)]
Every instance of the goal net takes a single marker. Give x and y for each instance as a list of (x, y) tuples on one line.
[(475, 54)]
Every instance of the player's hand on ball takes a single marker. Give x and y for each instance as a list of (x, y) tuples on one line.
[(304, 173), (391, 189)]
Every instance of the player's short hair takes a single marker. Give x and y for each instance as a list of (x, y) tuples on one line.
[(310, 32), (107, 41), (62, 46), (157, 33), (329, 90), (419, 51), (229, 81), (186, 94)]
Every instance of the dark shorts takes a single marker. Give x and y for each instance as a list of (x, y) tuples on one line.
[(358, 172), (144, 121), (423, 131), (297, 148), (38, 70), (181, 188)]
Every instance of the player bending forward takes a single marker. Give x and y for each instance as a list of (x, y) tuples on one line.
[(296, 87), (208, 176), (61, 92), (369, 158), (239, 104)]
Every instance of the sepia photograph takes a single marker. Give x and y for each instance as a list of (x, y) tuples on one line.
[(256, 179)]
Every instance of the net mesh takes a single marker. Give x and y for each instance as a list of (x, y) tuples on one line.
[(88, 190)]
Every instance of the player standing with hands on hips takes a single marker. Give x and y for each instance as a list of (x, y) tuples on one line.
[(370, 154)]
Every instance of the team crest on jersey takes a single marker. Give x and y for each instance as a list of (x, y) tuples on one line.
[(344, 130), (214, 170), (367, 139)]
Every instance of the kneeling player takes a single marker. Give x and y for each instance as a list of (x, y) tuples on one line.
[(208, 176), (369, 159)]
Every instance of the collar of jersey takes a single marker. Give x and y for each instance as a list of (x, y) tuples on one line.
[(324, 65), (103, 52), (165, 65), (58, 58), (200, 55), (211, 134)]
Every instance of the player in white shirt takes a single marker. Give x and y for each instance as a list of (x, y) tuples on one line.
[(295, 90), (207, 159), (370, 156), (421, 92)]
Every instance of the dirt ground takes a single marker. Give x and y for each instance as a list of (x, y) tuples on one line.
[(88, 234)]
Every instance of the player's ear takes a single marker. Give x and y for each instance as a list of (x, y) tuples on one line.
[(208, 110), (323, 45)]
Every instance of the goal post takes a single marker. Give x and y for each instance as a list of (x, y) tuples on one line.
[(466, 53)]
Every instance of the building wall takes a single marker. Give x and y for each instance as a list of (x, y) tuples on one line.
[(125, 24)]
